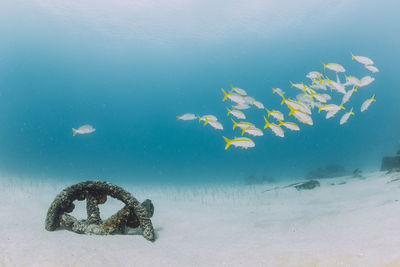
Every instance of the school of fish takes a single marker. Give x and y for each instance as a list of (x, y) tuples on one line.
[(318, 92)]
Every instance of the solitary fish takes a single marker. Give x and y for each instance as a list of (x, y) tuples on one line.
[(367, 103), (238, 99), (327, 97), (242, 124), (207, 117), (346, 116), (275, 128), (366, 80), (248, 100), (252, 130), (330, 107), (258, 104), (351, 80), (319, 97), (278, 91), (362, 60), (335, 67), (276, 114), (237, 113), (187, 117), (372, 68), (300, 86), (303, 117), (239, 142), (85, 129), (215, 124), (314, 75), (348, 94), (292, 104), (241, 106), (238, 90), (331, 114), (336, 85), (301, 106), (290, 125)]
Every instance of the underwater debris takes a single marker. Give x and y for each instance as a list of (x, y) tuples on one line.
[(391, 163), (393, 170), (307, 185), (299, 186), (133, 214), (357, 173)]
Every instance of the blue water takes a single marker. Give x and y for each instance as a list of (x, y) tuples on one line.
[(129, 76)]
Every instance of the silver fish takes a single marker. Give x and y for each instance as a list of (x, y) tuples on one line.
[(85, 129)]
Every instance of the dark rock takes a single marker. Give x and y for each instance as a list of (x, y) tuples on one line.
[(357, 173), (390, 163), (307, 185)]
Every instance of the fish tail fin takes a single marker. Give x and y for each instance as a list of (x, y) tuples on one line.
[(234, 124), (341, 106), (292, 110), (200, 119), (266, 123), (292, 84), (280, 122), (225, 94), (206, 122), (177, 118), (228, 142), (373, 98), (269, 112), (320, 80), (352, 56), (283, 99), (319, 109), (355, 88), (351, 111), (231, 88), (328, 79), (229, 111), (243, 130), (273, 90), (74, 132)]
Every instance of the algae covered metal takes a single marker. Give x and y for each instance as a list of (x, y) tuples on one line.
[(133, 214)]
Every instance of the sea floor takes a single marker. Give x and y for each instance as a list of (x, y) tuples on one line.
[(344, 222)]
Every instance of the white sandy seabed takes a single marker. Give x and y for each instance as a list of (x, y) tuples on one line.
[(356, 223)]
